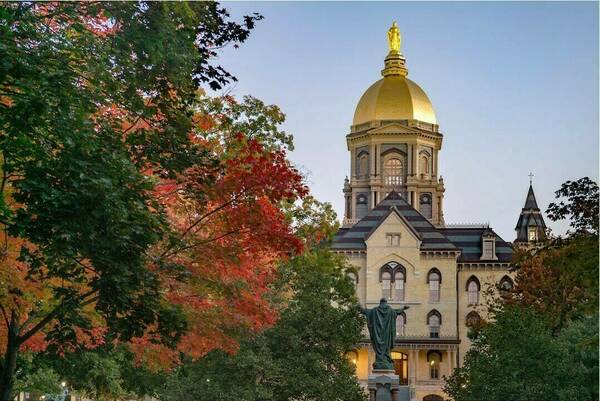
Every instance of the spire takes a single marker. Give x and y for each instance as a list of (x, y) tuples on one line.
[(395, 63), (530, 202), (530, 227)]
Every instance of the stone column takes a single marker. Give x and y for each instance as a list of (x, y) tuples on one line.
[(434, 173), (449, 362), (371, 160), (352, 164)]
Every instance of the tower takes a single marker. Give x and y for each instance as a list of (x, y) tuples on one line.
[(394, 142), (530, 226)]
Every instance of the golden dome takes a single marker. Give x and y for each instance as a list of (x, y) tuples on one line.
[(394, 97)]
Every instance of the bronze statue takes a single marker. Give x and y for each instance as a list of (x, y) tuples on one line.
[(381, 322)]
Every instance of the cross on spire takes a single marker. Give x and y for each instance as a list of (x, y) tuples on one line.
[(530, 178)]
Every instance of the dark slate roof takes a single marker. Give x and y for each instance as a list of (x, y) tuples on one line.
[(530, 202), (468, 240), (530, 216), (354, 237)]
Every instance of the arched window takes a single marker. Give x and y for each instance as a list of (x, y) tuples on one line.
[(424, 164), (473, 320), (386, 284), (399, 285), (361, 206), (363, 165), (400, 324), (434, 321), (434, 278), (506, 285), (425, 205), (393, 171), (473, 288), (433, 359)]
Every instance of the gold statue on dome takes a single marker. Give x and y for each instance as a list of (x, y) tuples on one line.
[(394, 38)]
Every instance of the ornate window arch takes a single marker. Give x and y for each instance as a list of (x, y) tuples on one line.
[(433, 359), (397, 280), (393, 171), (473, 288), (424, 163), (473, 319), (434, 321), (434, 279)]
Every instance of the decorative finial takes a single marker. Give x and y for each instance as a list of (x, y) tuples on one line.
[(394, 38), (530, 178)]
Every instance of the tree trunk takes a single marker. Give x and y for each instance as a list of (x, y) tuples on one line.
[(7, 377)]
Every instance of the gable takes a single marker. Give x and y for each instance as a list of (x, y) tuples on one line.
[(393, 225)]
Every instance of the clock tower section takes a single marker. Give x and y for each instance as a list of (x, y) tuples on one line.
[(394, 143)]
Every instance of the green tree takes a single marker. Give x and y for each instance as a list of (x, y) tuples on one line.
[(517, 358), (75, 207), (304, 356)]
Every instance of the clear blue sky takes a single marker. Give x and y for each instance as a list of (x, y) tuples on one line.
[(514, 86)]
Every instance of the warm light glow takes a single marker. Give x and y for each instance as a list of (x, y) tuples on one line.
[(63, 384), (432, 363)]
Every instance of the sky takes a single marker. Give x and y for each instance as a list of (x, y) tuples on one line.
[(514, 86)]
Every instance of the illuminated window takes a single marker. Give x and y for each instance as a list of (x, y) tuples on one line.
[(393, 172), (401, 366), (434, 358), (533, 234)]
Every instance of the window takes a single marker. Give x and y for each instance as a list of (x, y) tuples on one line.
[(434, 278), (506, 285), (386, 284), (488, 249), (363, 165), (425, 205), (401, 366), (393, 239), (434, 321), (424, 164), (532, 234), (434, 358), (393, 172), (473, 290), (400, 323), (399, 286), (473, 320)]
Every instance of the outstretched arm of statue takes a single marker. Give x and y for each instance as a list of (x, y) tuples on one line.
[(399, 311)]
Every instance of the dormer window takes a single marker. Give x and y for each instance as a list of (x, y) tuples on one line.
[(532, 234), (488, 245)]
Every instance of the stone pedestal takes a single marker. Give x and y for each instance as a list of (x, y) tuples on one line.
[(383, 385)]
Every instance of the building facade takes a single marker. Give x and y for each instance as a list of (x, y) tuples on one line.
[(395, 235)]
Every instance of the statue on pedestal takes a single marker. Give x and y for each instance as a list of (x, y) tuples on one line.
[(381, 322)]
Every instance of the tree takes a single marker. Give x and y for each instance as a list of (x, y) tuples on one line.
[(580, 207), (78, 210), (303, 356), (516, 357)]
